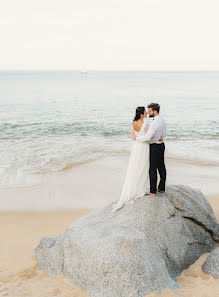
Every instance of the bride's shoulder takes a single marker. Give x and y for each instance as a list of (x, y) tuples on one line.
[(135, 125)]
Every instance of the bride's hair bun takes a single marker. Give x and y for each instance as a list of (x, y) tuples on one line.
[(139, 110)]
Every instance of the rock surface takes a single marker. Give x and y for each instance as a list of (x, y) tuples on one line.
[(140, 248), (211, 264)]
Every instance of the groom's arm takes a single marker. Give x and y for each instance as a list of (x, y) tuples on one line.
[(149, 135)]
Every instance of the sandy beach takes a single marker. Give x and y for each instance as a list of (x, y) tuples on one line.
[(30, 213), (20, 275)]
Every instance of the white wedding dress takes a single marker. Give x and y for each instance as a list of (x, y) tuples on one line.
[(137, 181)]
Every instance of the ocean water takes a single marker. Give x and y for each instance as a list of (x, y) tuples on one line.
[(52, 120)]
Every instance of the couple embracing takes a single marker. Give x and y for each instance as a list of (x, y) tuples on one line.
[(147, 157)]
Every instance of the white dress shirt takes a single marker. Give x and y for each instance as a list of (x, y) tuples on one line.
[(156, 130)]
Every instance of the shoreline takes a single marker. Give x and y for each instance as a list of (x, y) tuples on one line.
[(117, 155), (97, 183), (78, 164)]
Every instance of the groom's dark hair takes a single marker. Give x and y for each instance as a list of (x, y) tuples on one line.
[(154, 106)]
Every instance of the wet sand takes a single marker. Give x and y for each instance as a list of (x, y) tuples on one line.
[(98, 183)]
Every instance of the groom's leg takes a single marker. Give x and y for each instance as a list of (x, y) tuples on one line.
[(153, 168), (162, 168)]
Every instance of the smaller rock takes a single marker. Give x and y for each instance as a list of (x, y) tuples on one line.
[(211, 264)]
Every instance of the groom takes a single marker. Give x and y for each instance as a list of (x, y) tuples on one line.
[(156, 131)]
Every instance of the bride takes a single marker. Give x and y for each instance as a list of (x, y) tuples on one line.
[(137, 177)]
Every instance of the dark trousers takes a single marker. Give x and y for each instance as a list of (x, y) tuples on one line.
[(157, 163)]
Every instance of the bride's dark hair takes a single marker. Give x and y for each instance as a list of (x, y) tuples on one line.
[(139, 110)]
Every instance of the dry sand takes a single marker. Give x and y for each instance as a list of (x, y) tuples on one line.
[(21, 232)]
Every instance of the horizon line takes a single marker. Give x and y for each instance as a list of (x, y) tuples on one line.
[(145, 70)]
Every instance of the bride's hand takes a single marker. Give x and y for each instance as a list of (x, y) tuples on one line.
[(161, 139)]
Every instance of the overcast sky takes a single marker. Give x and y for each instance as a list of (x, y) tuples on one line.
[(109, 34)]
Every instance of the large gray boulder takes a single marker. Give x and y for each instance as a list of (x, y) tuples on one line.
[(140, 248), (211, 264)]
